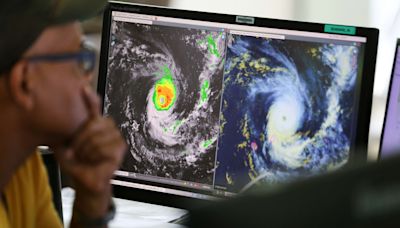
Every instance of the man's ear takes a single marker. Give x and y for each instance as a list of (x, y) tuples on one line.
[(21, 85)]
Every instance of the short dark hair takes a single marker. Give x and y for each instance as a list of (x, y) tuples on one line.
[(6, 69)]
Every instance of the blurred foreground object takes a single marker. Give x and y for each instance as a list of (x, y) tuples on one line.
[(363, 196)]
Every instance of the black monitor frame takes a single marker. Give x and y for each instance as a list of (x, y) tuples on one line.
[(359, 153)]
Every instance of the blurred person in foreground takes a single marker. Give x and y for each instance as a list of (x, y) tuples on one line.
[(46, 99)]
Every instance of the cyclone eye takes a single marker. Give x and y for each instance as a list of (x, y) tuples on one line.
[(165, 92)]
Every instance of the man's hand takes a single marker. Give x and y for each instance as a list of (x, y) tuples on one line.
[(91, 159)]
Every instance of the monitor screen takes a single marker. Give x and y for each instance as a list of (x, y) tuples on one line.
[(390, 141), (213, 104)]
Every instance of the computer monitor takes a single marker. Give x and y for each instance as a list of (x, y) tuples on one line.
[(390, 140), (211, 104)]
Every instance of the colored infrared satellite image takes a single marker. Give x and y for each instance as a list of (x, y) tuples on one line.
[(165, 94)]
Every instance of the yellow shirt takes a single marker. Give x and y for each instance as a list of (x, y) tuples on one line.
[(29, 198)]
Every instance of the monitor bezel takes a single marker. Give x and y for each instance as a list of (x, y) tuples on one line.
[(363, 119), (388, 99)]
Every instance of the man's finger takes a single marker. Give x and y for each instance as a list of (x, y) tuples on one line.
[(101, 146), (92, 102)]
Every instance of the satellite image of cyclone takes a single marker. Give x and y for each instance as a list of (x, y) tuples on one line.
[(287, 110), (164, 91)]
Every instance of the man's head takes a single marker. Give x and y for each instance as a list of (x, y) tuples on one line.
[(42, 77), (24, 20)]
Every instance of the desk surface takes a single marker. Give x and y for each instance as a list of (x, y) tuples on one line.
[(130, 213)]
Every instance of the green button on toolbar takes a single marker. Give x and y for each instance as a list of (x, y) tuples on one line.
[(340, 29)]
